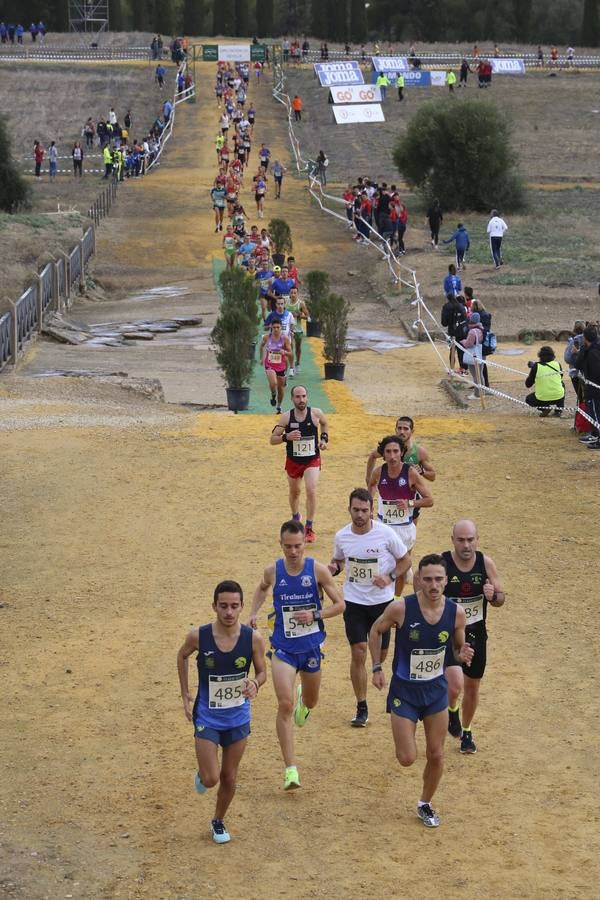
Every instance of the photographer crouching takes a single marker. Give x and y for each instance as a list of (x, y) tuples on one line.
[(546, 378)]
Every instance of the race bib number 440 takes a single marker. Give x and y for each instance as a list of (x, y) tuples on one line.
[(427, 664), (292, 628), (225, 691), (392, 515), (362, 571), (473, 607)]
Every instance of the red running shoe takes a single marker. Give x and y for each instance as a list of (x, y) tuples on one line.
[(309, 536)]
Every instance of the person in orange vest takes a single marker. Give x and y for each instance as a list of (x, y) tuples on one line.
[(297, 107)]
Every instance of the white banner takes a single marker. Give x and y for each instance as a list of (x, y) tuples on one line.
[(508, 66), (364, 112), (355, 93), (234, 52), (390, 63), (347, 72), (438, 79)]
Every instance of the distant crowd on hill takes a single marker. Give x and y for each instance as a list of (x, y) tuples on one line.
[(11, 34)]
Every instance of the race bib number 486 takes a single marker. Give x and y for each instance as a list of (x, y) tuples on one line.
[(427, 664), (225, 691)]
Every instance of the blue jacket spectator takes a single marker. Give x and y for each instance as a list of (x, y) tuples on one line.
[(452, 282), (461, 238)]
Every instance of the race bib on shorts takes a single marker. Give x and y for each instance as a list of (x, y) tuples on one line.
[(225, 691), (362, 571), (427, 664), (274, 357), (304, 447), (292, 628), (392, 515), (473, 607)]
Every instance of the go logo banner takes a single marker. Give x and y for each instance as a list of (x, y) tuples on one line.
[(356, 94)]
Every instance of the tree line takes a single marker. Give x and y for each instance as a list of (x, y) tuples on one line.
[(560, 22)]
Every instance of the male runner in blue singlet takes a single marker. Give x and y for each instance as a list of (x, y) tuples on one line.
[(297, 634), (221, 711), (425, 622)]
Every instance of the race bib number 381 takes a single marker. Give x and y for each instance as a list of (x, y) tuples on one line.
[(427, 664), (362, 571), (225, 691)]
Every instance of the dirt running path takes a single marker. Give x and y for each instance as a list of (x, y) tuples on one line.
[(114, 537)]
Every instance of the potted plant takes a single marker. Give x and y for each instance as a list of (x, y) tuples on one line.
[(317, 284), (280, 234), (335, 310), (232, 336), (241, 291)]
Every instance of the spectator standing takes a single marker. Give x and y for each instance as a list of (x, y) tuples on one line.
[(435, 219), (107, 158), (462, 241), (473, 353), (450, 81), (41, 31), (53, 159), (383, 83), (89, 131), (489, 338), (3, 32), (496, 228), (19, 32), (322, 166), (305, 49), (38, 153), (454, 319), (297, 107), (588, 363), (112, 116), (400, 86), (77, 154), (167, 110), (465, 68), (128, 119), (452, 282), (574, 345), (570, 56), (159, 75), (546, 378), (33, 31)]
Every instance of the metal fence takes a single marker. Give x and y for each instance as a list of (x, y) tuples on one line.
[(47, 286), (27, 316), (61, 277), (74, 265), (31, 51), (103, 202), (5, 339)]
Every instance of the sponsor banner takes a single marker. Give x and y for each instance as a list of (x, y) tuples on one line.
[(363, 112), (390, 63), (415, 78), (210, 52), (355, 93), (234, 52), (508, 66), (438, 79), (347, 72), (258, 53)]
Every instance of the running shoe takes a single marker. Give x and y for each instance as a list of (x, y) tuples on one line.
[(273, 401), (454, 726), (291, 372), (200, 788), (595, 445), (298, 368), (588, 439), (291, 779), (278, 410), (428, 816), (309, 536), (301, 712), (467, 744), (219, 832), (361, 718)]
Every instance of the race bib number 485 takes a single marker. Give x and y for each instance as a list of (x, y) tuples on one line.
[(292, 628), (362, 571), (427, 664), (225, 691)]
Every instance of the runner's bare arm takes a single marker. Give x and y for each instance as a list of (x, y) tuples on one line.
[(374, 480), (288, 348), (492, 589), (260, 594), (260, 666), (462, 652), (336, 565), (189, 646), (279, 430), (261, 351), (426, 467), (319, 417), (417, 483), (392, 615), (325, 580), (371, 460)]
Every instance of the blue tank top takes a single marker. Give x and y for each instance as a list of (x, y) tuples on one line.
[(291, 594), (219, 701), (420, 647)]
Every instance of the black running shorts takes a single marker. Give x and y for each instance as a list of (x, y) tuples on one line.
[(358, 618)]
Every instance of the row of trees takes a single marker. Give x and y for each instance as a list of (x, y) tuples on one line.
[(562, 22)]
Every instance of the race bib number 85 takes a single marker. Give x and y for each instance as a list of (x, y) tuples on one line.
[(473, 607), (427, 664), (225, 691)]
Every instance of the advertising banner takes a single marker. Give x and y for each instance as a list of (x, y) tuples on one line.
[(438, 79), (508, 66), (355, 93), (417, 78), (390, 63), (234, 52), (364, 112), (347, 72)]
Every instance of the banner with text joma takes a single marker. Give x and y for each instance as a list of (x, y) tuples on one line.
[(508, 66), (339, 73), (390, 63)]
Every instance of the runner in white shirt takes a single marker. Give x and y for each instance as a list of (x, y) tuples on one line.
[(375, 558), (496, 228)]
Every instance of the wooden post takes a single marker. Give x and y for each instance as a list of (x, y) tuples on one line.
[(452, 355), (420, 331), (14, 332), (477, 362), (39, 301)]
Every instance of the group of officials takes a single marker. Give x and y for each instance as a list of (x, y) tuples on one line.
[(440, 629)]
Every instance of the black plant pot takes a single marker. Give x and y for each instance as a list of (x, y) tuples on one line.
[(237, 399), (278, 259), (313, 329), (335, 371)]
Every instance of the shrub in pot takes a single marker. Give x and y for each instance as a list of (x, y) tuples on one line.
[(232, 337), (335, 311), (280, 233), (317, 285), (242, 292)]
